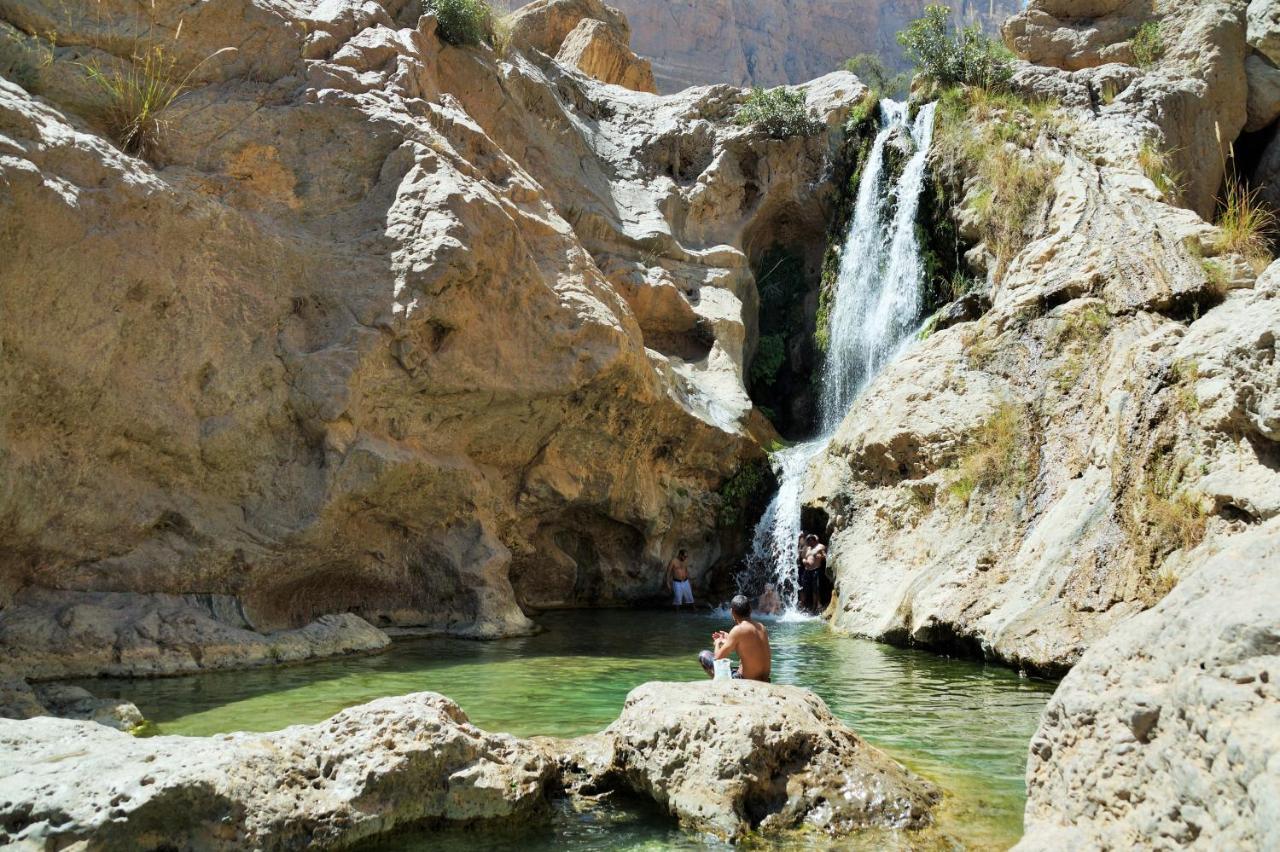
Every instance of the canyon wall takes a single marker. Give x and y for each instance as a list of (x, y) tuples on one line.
[(379, 325), (776, 42), (1021, 483)]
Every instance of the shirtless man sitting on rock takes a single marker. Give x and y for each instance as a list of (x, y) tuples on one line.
[(748, 638)]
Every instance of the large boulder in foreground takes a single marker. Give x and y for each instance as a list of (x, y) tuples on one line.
[(732, 757), (368, 770), (1167, 733)]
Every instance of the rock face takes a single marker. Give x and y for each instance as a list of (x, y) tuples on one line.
[(393, 763), (595, 50), (385, 327), (51, 634), (583, 34), (1017, 486), (776, 42), (1167, 733), (728, 758), (18, 700), (724, 758)]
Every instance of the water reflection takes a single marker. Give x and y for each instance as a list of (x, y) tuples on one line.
[(964, 725)]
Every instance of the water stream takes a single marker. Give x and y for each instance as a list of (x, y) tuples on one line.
[(876, 307), (961, 724)]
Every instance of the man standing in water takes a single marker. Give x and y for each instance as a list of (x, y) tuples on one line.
[(748, 639), (813, 559), (677, 579)]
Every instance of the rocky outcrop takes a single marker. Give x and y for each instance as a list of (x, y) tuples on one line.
[(729, 758), (1191, 101), (54, 634), (776, 42), (1166, 735), (384, 327), (723, 757), (1019, 485), (391, 764), (583, 34), (595, 50), (19, 700)]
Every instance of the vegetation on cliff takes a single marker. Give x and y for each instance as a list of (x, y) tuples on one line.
[(781, 113)]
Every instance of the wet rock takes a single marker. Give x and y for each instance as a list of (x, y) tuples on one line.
[(74, 702), (387, 765), (1167, 732), (728, 758), (967, 308), (47, 635)]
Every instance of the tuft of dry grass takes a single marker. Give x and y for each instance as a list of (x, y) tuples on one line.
[(1157, 165), (993, 138), (996, 457), (1247, 225)]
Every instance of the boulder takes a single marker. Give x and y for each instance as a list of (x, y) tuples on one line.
[(1264, 28), (47, 635), (1264, 93), (732, 757), (387, 765), (73, 702), (545, 24), (1166, 734), (593, 47)]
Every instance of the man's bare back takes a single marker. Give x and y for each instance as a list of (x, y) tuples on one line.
[(751, 642), (748, 639)]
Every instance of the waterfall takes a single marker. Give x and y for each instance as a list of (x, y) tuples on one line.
[(875, 311)]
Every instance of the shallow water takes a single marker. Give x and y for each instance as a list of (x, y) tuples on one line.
[(963, 725)]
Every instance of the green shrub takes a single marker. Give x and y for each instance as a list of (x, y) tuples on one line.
[(952, 57), (737, 494), (780, 112), (870, 69), (1147, 44), (770, 356), (992, 137), (462, 22)]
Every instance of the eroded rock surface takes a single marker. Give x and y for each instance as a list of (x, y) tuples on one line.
[(389, 764), (729, 758), (384, 326), (726, 758), (49, 634), (1018, 485), (1166, 735)]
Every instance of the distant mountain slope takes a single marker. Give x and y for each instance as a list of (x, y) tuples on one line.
[(770, 42)]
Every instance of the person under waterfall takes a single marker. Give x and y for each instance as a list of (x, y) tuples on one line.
[(677, 579), (748, 639), (813, 560)]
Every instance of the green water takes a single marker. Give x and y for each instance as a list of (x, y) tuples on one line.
[(963, 725)]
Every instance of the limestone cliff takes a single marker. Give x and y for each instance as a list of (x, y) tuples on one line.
[(382, 325), (1020, 484)]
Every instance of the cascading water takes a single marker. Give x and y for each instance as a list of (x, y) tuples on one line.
[(875, 311)]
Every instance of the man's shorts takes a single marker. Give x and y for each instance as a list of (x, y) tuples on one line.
[(684, 592), (809, 581), (708, 662)]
